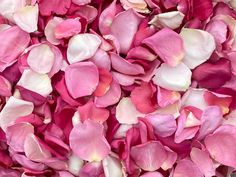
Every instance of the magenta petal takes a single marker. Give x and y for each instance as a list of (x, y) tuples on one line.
[(88, 142), (81, 87), (152, 174), (124, 66), (186, 168), (145, 155), (54, 6), (168, 45), (124, 27), (202, 9), (5, 89), (9, 52), (222, 145)]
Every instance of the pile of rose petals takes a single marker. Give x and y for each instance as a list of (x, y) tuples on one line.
[(123, 88)]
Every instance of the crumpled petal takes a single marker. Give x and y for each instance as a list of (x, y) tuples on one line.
[(41, 59), (82, 47), (197, 40), (27, 18), (145, 155), (222, 145), (38, 83), (126, 112), (80, 86), (11, 112), (163, 125), (171, 19), (173, 78), (124, 27), (9, 52), (16, 135), (67, 28), (124, 66), (168, 45), (202, 159), (88, 142)]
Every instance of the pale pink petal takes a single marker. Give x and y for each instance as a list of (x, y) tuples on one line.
[(102, 59), (186, 168), (106, 18), (16, 135), (173, 78), (35, 82), (218, 29), (34, 150), (75, 164), (50, 30), (124, 27), (194, 97), (163, 125), (8, 7), (82, 47), (141, 53), (41, 59), (8, 52), (123, 66), (137, 5), (210, 120), (80, 86), (168, 45), (222, 145), (81, 2), (200, 41), (111, 97), (167, 97), (65, 174), (123, 79), (202, 159), (145, 155), (67, 28), (11, 112), (5, 89), (126, 113), (170, 160), (27, 18), (171, 19), (152, 174), (112, 167), (88, 142), (58, 61)]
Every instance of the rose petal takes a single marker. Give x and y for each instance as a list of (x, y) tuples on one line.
[(168, 45), (81, 87), (27, 18), (169, 19), (222, 145), (124, 27), (11, 112), (173, 78), (81, 2), (163, 125), (88, 142), (38, 83), (54, 6), (16, 135), (5, 89), (200, 41), (67, 28), (152, 174), (202, 159), (112, 167), (167, 97), (145, 155), (41, 59), (82, 47), (126, 113)]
